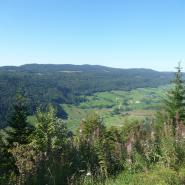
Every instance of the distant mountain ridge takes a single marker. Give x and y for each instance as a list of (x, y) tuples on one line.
[(42, 84), (68, 67)]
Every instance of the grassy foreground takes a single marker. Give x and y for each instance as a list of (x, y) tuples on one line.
[(157, 175)]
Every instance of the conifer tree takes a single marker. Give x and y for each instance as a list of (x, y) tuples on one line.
[(20, 129), (8, 169), (174, 104)]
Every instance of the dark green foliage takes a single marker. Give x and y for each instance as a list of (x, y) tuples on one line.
[(101, 150), (20, 129), (175, 98), (50, 140), (18, 133), (91, 139), (49, 156), (8, 169), (115, 151)]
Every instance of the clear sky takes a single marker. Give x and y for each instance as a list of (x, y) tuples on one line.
[(118, 33)]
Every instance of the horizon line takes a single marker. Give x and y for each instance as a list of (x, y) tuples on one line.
[(113, 67)]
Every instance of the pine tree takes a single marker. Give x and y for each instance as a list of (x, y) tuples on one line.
[(20, 129), (174, 104), (8, 168)]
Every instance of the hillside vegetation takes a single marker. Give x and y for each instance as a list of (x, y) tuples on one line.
[(44, 149), (59, 84)]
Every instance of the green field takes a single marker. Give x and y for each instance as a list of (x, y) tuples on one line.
[(116, 107)]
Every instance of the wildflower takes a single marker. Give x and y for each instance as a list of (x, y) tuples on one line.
[(88, 174)]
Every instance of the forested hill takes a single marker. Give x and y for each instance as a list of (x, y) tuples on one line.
[(84, 79), (50, 68), (57, 84)]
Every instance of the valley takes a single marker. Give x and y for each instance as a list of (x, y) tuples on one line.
[(117, 107)]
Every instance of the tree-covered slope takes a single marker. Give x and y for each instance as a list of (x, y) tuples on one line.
[(57, 84)]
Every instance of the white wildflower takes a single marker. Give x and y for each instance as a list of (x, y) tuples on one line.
[(88, 174)]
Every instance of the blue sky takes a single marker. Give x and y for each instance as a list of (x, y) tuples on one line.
[(117, 33)]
